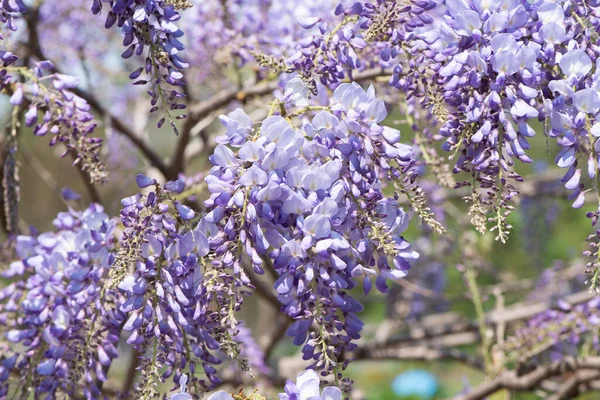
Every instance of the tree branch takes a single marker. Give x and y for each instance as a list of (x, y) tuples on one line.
[(153, 158), (281, 326), (178, 160), (438, 349), (221, 99), (32, 17), (570, 388), (511, 381)]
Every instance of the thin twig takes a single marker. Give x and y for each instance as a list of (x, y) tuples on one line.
[(92, 190), (570, 388), (440, 348), (281, 326), (510, 380), (134, 363)]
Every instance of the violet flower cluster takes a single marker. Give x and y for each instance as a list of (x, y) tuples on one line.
[(8, 12), (57, 312), (512, 63), (307, 204), (486, 73), (64, 115), (100, 67), (365, 35), (179, 302), (309, 195), (149, 27), (250, 32), (555, 330)]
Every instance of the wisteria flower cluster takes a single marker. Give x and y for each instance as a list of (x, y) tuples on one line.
[(58, 310), (149, 27), (367, 35), (307, 199), (309, 203), (307, 386), (513, 63), (486, 73), (283, 198), (483, 72), (64, 115), (178, 302), (253, 32)]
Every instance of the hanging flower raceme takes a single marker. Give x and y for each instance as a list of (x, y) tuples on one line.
[(250, 31), (488, 72), (179, 301), (66, 116), (8, 11), (308, 203), (150, 27), (56, 312), (365, 35)]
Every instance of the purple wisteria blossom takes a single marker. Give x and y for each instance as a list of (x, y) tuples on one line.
[(307, 387), (57, 111), (305, 195), (488, 73), (308, 203), (57, 315), (149, 28), (169, 297)]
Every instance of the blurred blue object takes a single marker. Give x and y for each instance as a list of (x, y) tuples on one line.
[(415, 382)]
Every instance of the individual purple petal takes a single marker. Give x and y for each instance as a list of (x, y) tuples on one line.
[(17, 97), (185, 212), (69, 194), (576, 63), (175, 186), (143, 181), (587, 101), (317, 226)]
